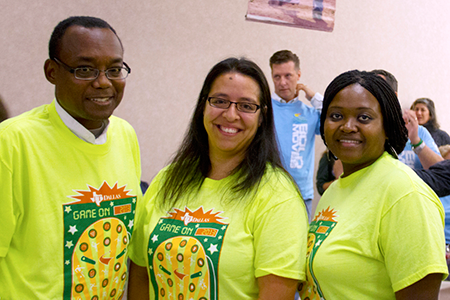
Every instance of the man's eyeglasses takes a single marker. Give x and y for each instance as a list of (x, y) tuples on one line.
[(88, 73), (245, 107)]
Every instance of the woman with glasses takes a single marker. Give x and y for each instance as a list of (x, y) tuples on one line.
[(224, 219), (378, 229)]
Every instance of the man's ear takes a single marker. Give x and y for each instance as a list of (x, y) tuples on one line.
[(299, 73), (50, 70)]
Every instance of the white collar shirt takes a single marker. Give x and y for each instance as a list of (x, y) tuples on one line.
[(79, 130)]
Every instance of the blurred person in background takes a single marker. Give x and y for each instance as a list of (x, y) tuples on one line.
[(426, 116)]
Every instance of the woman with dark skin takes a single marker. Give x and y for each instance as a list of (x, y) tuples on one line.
[(378, 231)]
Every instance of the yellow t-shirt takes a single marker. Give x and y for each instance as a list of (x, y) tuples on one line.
[(66, 209), (375, 232), (211, 246)]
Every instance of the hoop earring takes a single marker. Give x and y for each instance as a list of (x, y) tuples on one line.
[(331, 156), (390, 150)]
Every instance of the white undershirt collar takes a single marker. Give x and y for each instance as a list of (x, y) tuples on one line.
[(279, 99), (79, 130)]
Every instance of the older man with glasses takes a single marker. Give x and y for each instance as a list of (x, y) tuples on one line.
[(70, 175)]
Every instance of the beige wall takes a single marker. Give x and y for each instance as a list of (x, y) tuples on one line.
[(171, 45)]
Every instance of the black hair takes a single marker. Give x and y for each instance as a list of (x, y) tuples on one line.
[(432, 122), (390, 79), (54, 45), (393, 123), (284, 56), (191, 164), (3, 111)]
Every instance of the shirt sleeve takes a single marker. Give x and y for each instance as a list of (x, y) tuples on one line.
[(139, 240), (280, 240), (445, 138), (437, 177), (8, 209), (135, 250), (425, 135), (412, 239), (317, 101)]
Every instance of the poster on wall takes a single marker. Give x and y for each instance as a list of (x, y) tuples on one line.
[(310, 14)]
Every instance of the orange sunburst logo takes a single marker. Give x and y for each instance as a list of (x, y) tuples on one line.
[(326, 215), (197, 216), (104, 193)]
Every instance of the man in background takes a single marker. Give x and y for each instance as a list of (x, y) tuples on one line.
[(296, 123), (70, 175)]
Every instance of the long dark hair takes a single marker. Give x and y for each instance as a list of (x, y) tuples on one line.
[(394, 126), (191, 164), (432, 122)]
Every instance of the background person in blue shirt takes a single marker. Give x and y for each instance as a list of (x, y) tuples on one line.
[(420, 151), (296, 123)]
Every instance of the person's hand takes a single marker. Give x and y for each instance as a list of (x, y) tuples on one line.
[(309, 93), (412, 125)]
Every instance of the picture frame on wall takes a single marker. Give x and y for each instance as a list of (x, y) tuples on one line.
[(308, 14)]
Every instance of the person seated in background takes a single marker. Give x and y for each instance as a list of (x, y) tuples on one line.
[(378, 229), (437, 175), (224, 220), (426, 116), (420, 151), (329, 169)]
